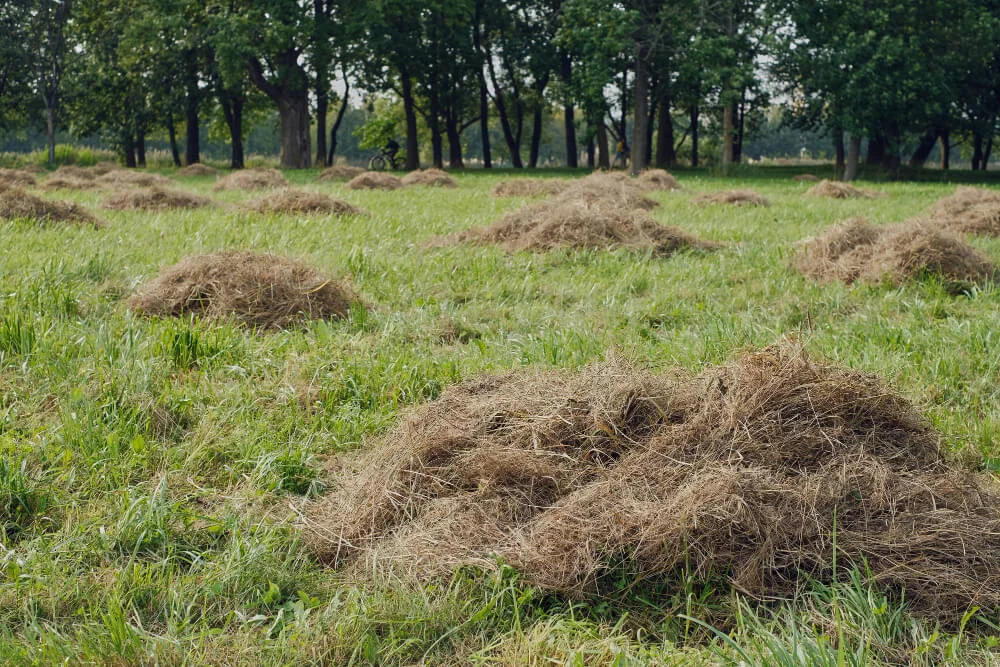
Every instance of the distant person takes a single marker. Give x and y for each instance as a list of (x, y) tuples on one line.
[(391, 149), (621, 153)]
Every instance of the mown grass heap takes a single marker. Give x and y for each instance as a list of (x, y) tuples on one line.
[(252, 179), (339, 173), (838, 190), (732, 197), (432, 177), (529, 187), (856, 250), (658, 179), (607, 190), (375, 180), (125, 177), (197, 169), (16, 204), (767, 470), (969, 211), (17, 177), (155, 198), (302, 202), (805, 178), (262, 291)]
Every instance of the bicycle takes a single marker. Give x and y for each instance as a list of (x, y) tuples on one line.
[(383, 160)]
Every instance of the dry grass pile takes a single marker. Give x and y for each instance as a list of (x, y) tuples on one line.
[(340, 172), (806, 178), (263, 291), (73, 171), (155, 198), (132, 178), (104, 167), (16, 204), (658, 179), (759, 470), (733, 198), (969, 211), (550, 225), (302, 202), (197, 169), (839, 190), (375, 180), (59, 181), (858, 251), (608, 190), (529, 187), (432, 177), (252, 179), (17, 178)]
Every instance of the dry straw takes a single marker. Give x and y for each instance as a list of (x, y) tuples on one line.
[(529, 187), (252, 179), (125, 177), (339, 173), (432, 177), (16, 204), (262, 291), (733, 198), (608, 190), (838, 190), (969, 211), (375, 180), (767, 470), (858, 251), (658, 179), (302, 202), (154, 199), (197, 169), (17, 177)]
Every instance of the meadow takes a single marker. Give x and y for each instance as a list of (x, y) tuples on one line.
[(154, 470)]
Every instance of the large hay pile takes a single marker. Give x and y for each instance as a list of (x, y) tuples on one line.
[(263, 291), (339, 172), (127, 177), (839, 190), (432, 177), (154, 199), (969, 211), (197, 169), (252, 179), (302, 202), (658, 179), (16, 204), (70, 180), (608, 190), (733, 198), (858, 251), (529, 187), (73, 171), (17, 177), (375, 180), (104, 167), (549, 225), (762, 470)]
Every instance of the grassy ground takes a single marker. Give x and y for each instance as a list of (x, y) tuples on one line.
[(150, 470)]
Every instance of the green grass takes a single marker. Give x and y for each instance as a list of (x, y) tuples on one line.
[(149, 469)]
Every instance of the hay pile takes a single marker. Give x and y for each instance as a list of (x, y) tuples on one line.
[(263, 291), (805, 178), (550, 225), (302, 202), (197, 169), (607, 190), (529, 187), (658, 179), (732, 197), (252, 179), (858, 251), (104, 167), (17, 177), (375, 180), (839, 190), (740, 471), (969, 211), (339, 173), (432, 177), (154, 199), (128, 177), (16, 204), (73, 171)]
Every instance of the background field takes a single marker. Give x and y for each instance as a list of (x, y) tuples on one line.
[(151, 470)]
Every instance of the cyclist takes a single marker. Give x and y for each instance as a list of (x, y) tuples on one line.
[(390, 150), (621, 153)]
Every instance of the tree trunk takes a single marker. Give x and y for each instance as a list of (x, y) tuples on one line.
[(986, 152), (838, 149), (977, 150), (434, 123), (236, 158), (569, 122), (140, 147), (484, 122), (175, 154), (650, 122), (536, 137), (640, 111), (192, 152), (666, 157), (50, 132), (923, 150), (694, 134), (853, 155), (876, 150), (591, 153), (336, 124), (945, 149), (740, 124), (603, 160), (322, 106), (412, 150), (454, 141), (293, 110), (728, 123), (129, 148)]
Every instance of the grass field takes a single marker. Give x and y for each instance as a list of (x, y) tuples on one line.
[(152, 470)]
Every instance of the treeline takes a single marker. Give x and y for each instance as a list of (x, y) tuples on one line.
[(652, 75)]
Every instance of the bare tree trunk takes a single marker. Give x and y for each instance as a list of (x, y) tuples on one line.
[(876, 150), (569, 122), (337, 122), (175, 154), (129, 148), (292, 100), (322, 106), (923, 150), (454, 141), (192, 151), (140, 147), (640, 111), (839, 150), (412, 150), (536, 137), (853, 155), (591, 153), (513, 143), (977, 150), (727, 135), (50, 131), (694, 134), (666, 157), (434, 123), (484, 123), (945, 149), (603, 160)]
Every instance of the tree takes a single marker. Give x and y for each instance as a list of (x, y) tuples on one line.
[(50, 21), (15, 63)]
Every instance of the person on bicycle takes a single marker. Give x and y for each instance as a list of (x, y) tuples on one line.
[(621, 153), (390, 150)]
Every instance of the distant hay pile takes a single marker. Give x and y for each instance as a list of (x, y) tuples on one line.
[(969, 211), (529, 187), (765, 470), (262, 291), (126, 177), (839, 190), (432, 177), (197, 169), (375, 180), (856, 251), (16, 204), (339, 173), (155, 198), (17, 177), (302, 202), (805, 178), (252, 179), (608, 190), (658, 179), (73, 171), (104, 167), (551, 225), (733, 198)]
